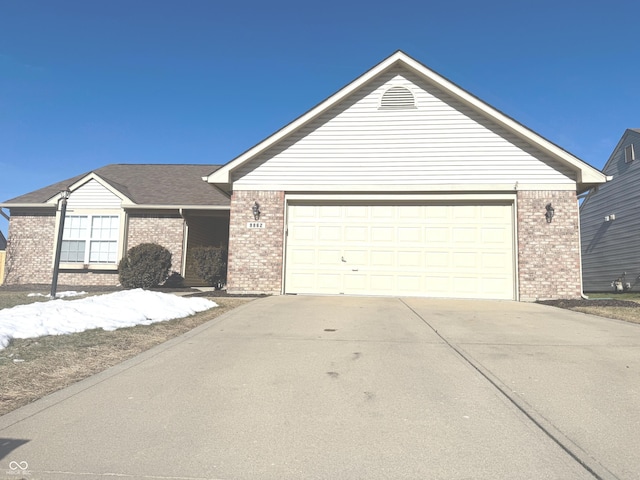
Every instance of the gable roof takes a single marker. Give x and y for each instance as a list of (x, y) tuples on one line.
[(140, 186), (587, 176), (3, 242)]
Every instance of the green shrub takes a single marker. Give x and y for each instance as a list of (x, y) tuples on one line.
[(146, 265), (211, 264)]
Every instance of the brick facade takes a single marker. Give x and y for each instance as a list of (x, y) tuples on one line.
[(255, 254), (165, 230), (31, 241), (548, 253), (29, 248)]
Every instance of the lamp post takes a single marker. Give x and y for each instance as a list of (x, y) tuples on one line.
[(64, 196)]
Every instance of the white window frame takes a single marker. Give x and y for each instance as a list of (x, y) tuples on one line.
[(83, 228)]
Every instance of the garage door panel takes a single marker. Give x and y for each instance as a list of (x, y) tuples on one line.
[(330, 233), (356, 234), (433, 250), (464, 235), (304, 256), (408, 283), (408, 235), (435, 235), (329, 282), (382, 234), (381, 258), (356, 283), (496, 236), (328, 257)]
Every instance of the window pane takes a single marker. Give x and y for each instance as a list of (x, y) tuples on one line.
[(104, 228), (75, 227), (103, 252), (72, 251)]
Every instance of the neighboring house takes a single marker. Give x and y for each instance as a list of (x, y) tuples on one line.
[(110, 210), (610, 222), (402, 183), (3, 247)]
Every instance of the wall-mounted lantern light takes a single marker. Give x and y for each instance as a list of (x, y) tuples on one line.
[(64, 196), (550, 213), (256, 211)]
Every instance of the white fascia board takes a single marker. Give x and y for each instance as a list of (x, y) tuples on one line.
[(27, 205), (461, 187), (389, 197)]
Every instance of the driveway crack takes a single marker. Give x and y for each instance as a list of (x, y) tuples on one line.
[(583, 458)]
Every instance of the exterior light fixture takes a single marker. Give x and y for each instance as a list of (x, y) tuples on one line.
[(550, 213), (64, 196), (256, 211)]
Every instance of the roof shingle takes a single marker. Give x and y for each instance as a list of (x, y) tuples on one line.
[(146, 184)]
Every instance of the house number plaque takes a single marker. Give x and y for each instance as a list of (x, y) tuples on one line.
[(255, 225)]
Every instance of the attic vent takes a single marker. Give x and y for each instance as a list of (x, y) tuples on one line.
[(629, 154), (397, 97)]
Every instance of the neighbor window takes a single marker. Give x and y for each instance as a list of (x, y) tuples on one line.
[(90, 239), (629, 154)]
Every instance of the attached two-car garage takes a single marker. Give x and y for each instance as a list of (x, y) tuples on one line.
[(435, 249)]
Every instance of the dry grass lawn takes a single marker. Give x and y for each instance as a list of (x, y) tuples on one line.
[(33, 368), (620, 313)]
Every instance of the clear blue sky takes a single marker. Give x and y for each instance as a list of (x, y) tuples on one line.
[(88, 83)]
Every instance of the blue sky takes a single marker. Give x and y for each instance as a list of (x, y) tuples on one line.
[(88, 83)]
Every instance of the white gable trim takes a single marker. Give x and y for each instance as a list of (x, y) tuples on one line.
[(585, 173), (87, 178)]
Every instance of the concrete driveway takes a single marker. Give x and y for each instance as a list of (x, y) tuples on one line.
[(343, 388)]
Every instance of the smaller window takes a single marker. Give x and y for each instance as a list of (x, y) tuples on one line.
[(629, 154), (397, 98)]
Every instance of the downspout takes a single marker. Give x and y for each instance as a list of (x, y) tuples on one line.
[(185, 238), (4, 215), (580, 251)]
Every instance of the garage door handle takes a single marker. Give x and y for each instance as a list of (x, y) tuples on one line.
[(354, 269), (343, 259)]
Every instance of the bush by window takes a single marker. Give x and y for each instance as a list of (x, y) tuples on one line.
[(145, 266)]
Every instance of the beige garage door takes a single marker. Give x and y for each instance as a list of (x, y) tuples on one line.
[(455, 251)]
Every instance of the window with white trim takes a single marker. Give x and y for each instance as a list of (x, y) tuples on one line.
[(90, 239), (629, 153)]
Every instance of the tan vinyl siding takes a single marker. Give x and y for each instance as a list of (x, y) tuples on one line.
[(439, 142), (611, 248), (95, 196)]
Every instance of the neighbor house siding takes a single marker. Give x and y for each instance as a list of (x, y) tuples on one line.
[(256, 255), (29, 247), (165, 230), (548, 253), (612, 248), (440, 142)]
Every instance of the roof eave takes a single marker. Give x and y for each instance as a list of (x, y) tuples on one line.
[(28, 205), (174, 207)]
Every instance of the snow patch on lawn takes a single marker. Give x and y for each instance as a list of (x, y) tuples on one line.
[(109, 312)]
